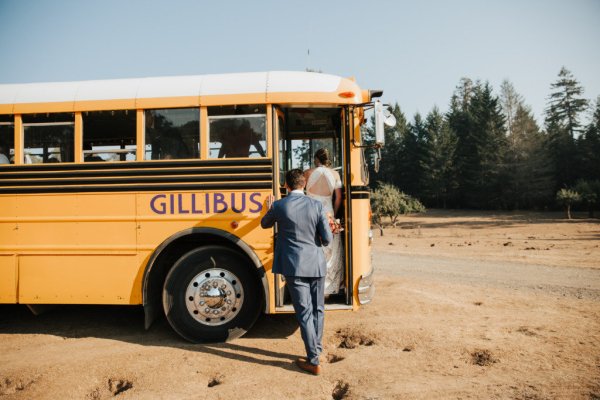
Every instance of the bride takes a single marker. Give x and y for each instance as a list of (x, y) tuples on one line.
[(324, 184)]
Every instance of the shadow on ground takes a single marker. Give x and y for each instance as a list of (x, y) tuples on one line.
[(126, 323)]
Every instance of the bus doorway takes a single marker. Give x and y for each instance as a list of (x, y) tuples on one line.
[(301, 132)]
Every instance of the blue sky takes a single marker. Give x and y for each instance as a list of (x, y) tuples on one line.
[(416, 51)]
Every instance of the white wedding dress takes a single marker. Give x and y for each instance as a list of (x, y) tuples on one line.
[(321, 185)]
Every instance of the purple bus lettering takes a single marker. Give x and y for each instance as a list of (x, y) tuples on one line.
[(194, 209), (219, 199), (258, 204), (172, 203), (162, 206), (180, 208), (243, 203)]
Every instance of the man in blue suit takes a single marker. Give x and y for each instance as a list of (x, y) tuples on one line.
[(302, 228)]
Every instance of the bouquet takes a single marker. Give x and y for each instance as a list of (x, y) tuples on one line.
[(334, 224)]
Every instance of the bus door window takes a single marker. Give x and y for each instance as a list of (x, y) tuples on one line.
[(172, 134), (49, 138), (7, 139), (307, 130), (237, 131), (109, 135)]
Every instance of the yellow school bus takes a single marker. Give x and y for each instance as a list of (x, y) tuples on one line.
[(150, 192)]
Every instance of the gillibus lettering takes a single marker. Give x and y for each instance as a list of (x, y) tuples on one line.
[(205, 203)]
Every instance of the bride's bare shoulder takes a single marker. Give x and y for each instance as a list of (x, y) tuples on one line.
[(308, 172)]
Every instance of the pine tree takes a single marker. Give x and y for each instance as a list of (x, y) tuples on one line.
[(509, 101), (565, 106), (488, 128), (529, 181), (412, 158), (476, 119), (589, 147), (530, 178), (460, 122), (565, 103), (440, 184)]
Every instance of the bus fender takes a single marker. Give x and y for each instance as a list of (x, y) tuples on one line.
[(151, 300)]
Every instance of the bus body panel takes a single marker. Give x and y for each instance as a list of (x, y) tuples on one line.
[(79, 222), (98, 254), (8, 259), (361, 209), (360, 243), (77, 248), (78, 279), (8, 278)]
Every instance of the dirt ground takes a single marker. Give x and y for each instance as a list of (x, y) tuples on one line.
[(468, 306)]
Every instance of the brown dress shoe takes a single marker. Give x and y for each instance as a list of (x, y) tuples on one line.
[(308, 367)]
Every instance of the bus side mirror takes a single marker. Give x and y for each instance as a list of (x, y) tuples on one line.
[(382, 118)]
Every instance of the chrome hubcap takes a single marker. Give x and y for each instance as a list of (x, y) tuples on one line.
[(214, 296)]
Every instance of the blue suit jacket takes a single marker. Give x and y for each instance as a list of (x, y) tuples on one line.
[(302, 228)]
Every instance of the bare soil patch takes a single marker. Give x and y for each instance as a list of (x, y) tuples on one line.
[(526, 237), (483, 358), (351, 337), (215, 380), (340, 391)]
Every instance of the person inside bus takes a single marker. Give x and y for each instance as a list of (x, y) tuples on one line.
[(90, 157), (238, 143), (169, 146), (324, 184), (4, 154)]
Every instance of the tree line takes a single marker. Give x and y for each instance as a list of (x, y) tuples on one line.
[(488, 152)]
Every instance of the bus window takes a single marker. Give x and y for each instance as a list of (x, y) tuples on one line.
[(7, 139), (237, 131), (172, 134), (109, 135), (49, 138)]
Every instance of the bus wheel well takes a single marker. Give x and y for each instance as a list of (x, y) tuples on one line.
[(161, 263)]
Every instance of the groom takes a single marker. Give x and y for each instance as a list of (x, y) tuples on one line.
[(302, 228)]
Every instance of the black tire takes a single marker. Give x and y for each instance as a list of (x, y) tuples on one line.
[(211, 295)]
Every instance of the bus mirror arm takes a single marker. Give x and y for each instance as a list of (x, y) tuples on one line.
[(377, 160), (382, 118)]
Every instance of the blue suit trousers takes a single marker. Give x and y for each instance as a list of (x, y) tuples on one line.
[(308, 297)]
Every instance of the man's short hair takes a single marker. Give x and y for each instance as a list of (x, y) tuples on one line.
[(294, 178)]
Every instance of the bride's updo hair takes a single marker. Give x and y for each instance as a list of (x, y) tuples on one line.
[(323, 156)]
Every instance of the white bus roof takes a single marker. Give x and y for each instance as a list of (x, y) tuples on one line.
[(238, 88)]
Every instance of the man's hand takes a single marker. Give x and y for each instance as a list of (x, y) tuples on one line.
[(270, 201)]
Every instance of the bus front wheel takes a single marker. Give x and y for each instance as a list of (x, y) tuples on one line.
[(211, 295)]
